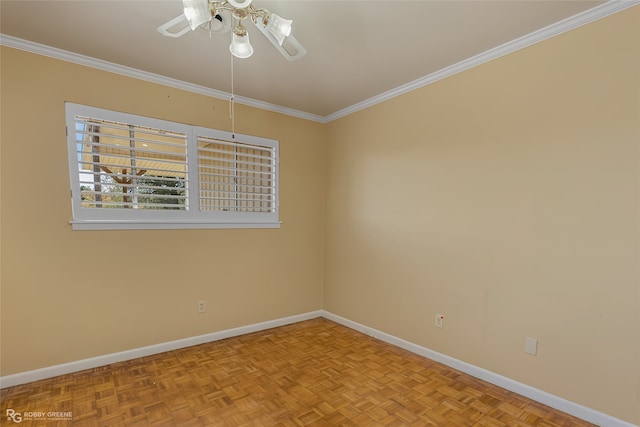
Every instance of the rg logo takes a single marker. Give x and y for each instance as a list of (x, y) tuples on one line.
[(14, 416)]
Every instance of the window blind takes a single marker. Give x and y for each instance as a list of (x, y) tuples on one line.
[(135, 172), (128, 166), (236, 176)]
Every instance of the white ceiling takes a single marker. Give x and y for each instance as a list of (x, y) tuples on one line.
[(356, 49)]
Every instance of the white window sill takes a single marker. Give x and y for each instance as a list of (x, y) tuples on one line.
[(166, 225)]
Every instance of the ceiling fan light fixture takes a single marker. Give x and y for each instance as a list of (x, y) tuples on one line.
[(197, 12), (240, 46), (218, 16), (279, 27)]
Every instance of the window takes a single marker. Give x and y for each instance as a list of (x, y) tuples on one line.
[(130, 172)]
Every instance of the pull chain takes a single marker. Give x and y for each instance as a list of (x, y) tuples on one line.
[(232, 105)]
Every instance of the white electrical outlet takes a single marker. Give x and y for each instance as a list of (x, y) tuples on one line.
[(439, 322), (531, 346), (201, 306)]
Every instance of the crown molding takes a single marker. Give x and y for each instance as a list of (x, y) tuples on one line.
[(41, 49), (542, 34)]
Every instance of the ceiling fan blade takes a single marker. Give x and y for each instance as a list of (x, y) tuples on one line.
[(167, 28), (291, 48)]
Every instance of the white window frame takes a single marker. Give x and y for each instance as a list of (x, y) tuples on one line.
[(191, 218)]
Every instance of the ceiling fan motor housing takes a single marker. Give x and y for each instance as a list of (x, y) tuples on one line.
[(240, 4)]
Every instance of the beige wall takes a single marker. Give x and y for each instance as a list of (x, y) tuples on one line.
[(507, 198), (69, 295)]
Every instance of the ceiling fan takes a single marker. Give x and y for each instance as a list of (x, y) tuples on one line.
[(228, 15)]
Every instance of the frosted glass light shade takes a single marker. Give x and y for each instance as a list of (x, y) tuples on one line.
[(240, 46), (279, 27), (197, 12)]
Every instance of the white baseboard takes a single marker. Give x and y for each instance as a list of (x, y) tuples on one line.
[(582, 412), (566, 406), (94, 362)]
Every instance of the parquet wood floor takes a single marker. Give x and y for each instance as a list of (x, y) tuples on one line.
[(312, 373)]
